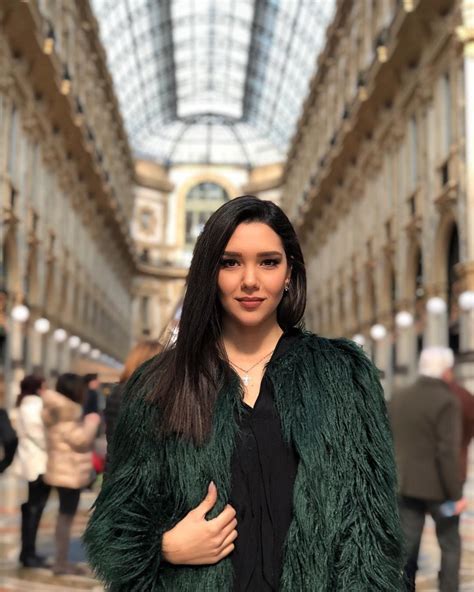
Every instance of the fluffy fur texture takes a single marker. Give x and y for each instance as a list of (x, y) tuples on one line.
[(345, 534)]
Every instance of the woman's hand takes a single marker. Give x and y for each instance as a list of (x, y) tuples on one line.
[(197, 541)]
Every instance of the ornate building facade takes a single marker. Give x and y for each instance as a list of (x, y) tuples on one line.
[(171, 207), (66, 196), (380, 181)]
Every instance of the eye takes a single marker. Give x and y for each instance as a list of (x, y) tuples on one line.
[(270, 262), (229, 262)]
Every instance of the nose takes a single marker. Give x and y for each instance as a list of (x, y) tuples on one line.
[(249, 278)]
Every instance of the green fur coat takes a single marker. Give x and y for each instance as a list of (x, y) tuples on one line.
[(345, 534)]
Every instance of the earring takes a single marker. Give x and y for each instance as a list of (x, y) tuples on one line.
[(286, 288)]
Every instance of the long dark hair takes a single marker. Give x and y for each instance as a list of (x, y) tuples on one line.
[(71, 386), (30, 385), (189, 374)]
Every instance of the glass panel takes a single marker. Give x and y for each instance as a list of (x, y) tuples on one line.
[(247, 62)]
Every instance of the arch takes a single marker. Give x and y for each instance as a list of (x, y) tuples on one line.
[(185, 188)]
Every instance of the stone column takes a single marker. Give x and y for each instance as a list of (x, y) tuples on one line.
[(466, 35), (17, 361)]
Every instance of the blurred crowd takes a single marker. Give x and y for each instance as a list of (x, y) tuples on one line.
[(57, 438)]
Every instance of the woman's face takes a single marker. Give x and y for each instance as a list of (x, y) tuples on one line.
[(253, 274)]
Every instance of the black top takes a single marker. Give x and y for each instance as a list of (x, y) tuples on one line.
[(263, 474)]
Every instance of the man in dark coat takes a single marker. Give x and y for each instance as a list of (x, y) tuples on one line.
[(466, 400), (426, 422)]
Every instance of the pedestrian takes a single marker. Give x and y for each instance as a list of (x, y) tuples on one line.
[(8, 441), (142, 351), (91, 399), (466, 401), (69, 444), (426, 421), (249, 425), (30, 464)]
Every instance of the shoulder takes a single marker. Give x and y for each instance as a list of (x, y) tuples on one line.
[(340, 351)]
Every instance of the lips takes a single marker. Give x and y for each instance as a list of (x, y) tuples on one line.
[(250, 303)]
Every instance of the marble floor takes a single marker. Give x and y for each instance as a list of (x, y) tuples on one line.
[(13, 578)]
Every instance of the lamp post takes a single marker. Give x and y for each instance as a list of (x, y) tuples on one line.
[(437, 321)]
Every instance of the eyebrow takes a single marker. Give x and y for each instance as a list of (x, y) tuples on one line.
[(262, 254)]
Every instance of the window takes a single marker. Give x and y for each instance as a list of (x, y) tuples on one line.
[(202, 200)]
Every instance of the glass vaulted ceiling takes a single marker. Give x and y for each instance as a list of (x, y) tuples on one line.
[(212, 81)]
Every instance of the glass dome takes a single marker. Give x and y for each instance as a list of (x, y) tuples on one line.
[(212, 81)]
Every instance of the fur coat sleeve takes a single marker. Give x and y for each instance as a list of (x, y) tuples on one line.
[(123, 536)]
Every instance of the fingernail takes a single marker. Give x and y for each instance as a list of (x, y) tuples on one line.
[(211, 484)]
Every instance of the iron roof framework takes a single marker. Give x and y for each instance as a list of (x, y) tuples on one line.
[(212, 81)]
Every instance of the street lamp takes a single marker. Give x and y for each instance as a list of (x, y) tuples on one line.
[(20, 313), (74, 341), (378, 332), (42, 325), (359, 339), (404, 319), (466, 300), (436, 305), (60, 335), (85, 348)]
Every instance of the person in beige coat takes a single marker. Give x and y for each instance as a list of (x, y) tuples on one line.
[(69, 443)]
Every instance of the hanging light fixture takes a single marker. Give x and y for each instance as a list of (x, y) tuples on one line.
[(59, 335), (95, 354), (378, 332), (20, 313), (436, 305), (466, 300), (48, 43), (404, 319), (42, 325), (65, 82), (381, 46)]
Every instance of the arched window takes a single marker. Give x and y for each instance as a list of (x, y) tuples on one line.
[(201, 201)]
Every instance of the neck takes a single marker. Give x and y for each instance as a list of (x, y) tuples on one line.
[(241, 340)]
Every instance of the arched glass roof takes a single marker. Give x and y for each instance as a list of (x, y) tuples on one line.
[(212, 81)]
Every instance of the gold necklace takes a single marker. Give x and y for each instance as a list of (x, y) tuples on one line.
[(246, 378)]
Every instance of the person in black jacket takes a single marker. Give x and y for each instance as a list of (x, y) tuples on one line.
[(142, 351), (8, 441), (91, 400)]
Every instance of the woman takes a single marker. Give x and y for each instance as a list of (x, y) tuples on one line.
[(30, 464), (141, 352), (69, 444), (250, 425)]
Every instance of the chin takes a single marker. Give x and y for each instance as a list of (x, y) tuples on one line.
[(251, 319)]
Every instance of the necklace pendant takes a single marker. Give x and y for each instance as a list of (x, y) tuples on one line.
[(246, 379)]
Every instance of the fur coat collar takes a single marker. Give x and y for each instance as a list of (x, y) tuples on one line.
[(345, 533)]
